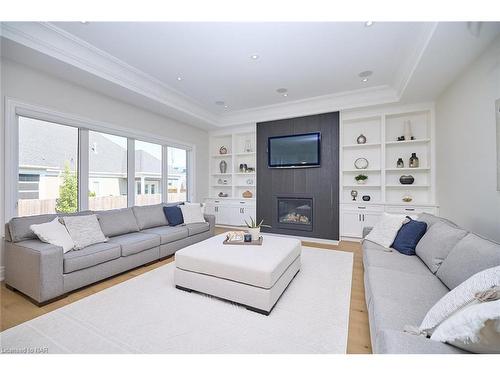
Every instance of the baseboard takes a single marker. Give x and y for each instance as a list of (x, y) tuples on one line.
[(2, 273)]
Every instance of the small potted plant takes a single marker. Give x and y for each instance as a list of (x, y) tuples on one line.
[(254, 228), (361, 179)]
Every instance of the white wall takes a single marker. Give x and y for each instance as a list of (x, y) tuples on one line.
[(35, 87), (466, 146)]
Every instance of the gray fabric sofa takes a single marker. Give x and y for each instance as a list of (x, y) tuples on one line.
[(400, 289), (137, 236)]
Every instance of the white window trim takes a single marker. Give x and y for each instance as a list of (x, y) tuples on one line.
[(15, 108)]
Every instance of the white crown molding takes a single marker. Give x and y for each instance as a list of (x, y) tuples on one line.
[(57, 43), (407, 70), (50, 40), (310, 106)]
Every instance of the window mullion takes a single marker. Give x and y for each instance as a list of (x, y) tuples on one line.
[(83, 169), (164, 174), (131, 172)]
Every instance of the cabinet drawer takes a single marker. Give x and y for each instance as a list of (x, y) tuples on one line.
[(362, 207), (410, 210)]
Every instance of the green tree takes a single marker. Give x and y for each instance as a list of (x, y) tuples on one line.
[(68, 192)]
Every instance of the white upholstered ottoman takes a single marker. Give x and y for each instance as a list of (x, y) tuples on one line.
[(254, 276)]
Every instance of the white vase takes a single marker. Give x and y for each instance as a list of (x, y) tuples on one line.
[(255, 232), (361, 182), (407, 130)]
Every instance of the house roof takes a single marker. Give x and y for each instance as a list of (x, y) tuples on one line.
[(47, 148)]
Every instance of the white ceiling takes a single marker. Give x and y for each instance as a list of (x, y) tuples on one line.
[(318, 63), (309, 59)]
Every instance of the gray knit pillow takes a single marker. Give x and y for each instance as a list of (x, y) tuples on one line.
[(84, 230)]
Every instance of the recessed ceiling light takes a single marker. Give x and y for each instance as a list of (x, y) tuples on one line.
[(179, 78), (84, 22), (282, 90), (285, 94), (254, 56), (368, 23), (364, 80), (365, 74), (226, 106)]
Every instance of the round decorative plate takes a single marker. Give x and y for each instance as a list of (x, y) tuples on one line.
[(361, 163)]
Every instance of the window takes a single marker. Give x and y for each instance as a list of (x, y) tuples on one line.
[(64, 166), (48, 168), (107, 171), (148, 172), (177, 174)]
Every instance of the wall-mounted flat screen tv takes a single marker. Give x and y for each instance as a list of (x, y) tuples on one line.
[(294, 151)]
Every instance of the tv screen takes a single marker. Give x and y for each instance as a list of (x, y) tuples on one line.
[(294, 151)]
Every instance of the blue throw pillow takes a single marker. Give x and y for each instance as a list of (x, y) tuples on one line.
[(173, 215), (408, 236)]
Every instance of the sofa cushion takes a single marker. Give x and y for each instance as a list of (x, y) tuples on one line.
[(430, 220), (408, 236), (169, 234), (173, 215), (150, 216), (437, 243), (470, 256), (397, 342), (90, 256), (399, 298), (197, 228), (133, 243), (84, 230), (117, 222), (19, 227), (394, 260)]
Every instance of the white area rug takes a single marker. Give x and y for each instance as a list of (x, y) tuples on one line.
[(147, 314)]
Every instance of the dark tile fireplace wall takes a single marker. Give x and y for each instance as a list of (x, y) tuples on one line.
[(321, 184)]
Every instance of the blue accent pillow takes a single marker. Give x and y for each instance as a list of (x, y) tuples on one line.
[(173, 215), (408, 236)]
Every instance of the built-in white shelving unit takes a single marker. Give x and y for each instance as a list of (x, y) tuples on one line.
[(382, 149), (234, 208)]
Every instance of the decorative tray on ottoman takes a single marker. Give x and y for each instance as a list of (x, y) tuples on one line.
[(237, 238)]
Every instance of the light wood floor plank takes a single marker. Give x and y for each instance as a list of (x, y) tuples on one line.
[(16, 309)]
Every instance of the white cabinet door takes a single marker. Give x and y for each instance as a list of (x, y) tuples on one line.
[(369, 219), (351, 224), (210, 209)]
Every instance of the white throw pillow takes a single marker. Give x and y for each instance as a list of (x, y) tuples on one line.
[(54, 233), (459, 297), (475, 328), (84, 230), (192, 213), (386, 229)]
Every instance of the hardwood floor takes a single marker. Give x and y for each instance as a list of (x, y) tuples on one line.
[(16, 309)]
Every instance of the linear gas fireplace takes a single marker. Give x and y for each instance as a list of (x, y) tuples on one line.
[(295, 213)]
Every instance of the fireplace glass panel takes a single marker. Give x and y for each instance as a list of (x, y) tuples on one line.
[(295, 212)]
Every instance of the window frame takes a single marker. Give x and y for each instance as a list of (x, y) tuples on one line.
[(15, 109)]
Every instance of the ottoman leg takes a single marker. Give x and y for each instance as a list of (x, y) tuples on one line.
[(184, 289)]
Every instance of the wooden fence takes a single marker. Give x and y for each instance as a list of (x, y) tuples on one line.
[(29, 207)]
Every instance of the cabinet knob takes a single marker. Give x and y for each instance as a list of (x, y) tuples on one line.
[(362, 207), (409, 209)]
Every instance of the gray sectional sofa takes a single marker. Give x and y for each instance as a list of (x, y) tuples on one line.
[(401, 289), (137, 236)]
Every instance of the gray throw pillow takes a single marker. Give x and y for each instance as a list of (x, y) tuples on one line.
[(118, 222), (437, 243), (84, 230), (471, 255)]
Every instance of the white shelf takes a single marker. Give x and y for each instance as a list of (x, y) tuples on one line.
[(227, 185), (243, 186), (221, 155), (407, 169), (362, 170), (221, 174), (409, 186), (363, 186), (362, 145), (244, 173), (412, 142), (245, 153)]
